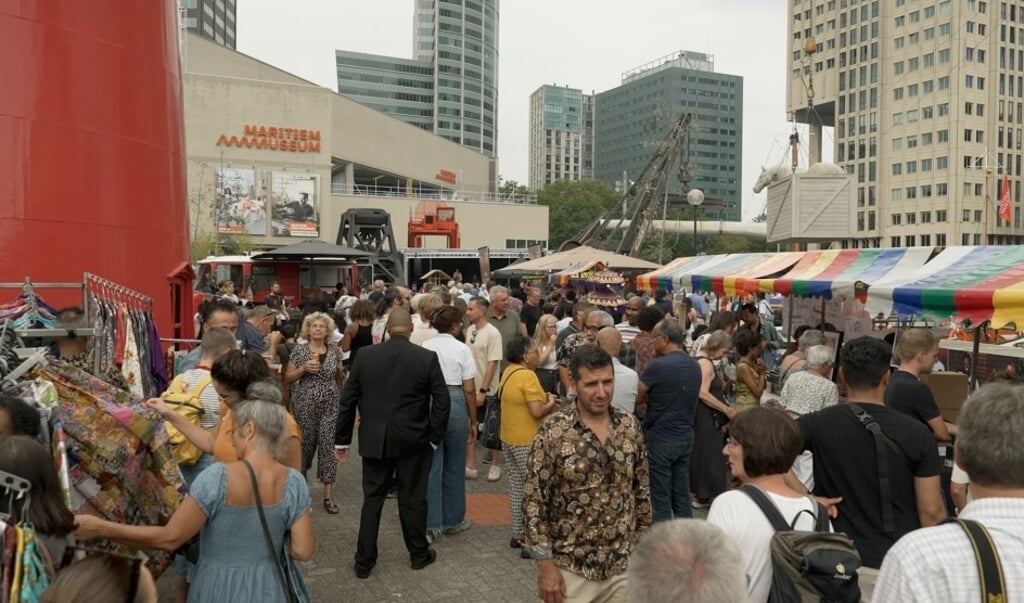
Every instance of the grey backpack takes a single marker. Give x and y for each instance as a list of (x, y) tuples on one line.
[(808, 567)]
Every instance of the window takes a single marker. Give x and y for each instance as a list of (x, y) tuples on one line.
[(897, 93), (943, 55), (911, 142), (897, 68), (911, 241), (968, 81), (926, 240), (940, 215), (894, 242), (943, 135), (944, 83), (928, 86), (912, 90), (912, 167), (926, 165), (968, 108), (896, 219), (911, 217), (926, 138), (896, 194), (897, 169), (898, 42), (897, 144)]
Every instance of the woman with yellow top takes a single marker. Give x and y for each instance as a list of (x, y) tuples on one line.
[(237, 376), (750, 375), (523, 404)]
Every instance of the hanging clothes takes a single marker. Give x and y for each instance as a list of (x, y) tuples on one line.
[(119, 461), (157, 364), (130, 366)]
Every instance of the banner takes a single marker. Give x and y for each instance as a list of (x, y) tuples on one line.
[(296, 209), (240, 205), (1004, 200)]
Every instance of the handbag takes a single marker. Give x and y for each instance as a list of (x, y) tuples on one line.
[(491, 437), (291, 580)]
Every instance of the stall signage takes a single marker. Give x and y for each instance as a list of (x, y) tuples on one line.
[(274, 138), (446, 176)]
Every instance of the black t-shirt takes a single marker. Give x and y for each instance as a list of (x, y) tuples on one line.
[(845, 465), (673, 385), (907, 394), (529, 315)]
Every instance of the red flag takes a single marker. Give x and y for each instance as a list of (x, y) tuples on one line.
[(1004, 199)]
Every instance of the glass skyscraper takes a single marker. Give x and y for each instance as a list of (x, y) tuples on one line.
[(449, 87)]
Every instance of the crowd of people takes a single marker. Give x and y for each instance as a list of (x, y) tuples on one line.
[(611, 425)]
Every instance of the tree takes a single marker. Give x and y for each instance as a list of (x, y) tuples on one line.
[(573, 206), (511, 187)]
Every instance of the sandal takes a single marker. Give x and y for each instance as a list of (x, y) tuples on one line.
[(330, 507)]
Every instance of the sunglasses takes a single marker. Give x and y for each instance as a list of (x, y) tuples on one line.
[(472, 336), (127, 566)]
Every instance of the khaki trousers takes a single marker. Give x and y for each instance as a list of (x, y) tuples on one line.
[(580, 590)]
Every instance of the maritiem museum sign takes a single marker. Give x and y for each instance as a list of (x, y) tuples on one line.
[(274, 138)]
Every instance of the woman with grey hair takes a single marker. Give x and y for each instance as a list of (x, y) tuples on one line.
[(235, 565), (797, 361)]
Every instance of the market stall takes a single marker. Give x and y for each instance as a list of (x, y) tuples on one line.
[(665, 277), (576, 257), (721, 277), (976, 283)]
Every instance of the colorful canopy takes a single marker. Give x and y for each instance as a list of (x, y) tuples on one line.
[(723, 277), (980, 283), (665, 277), (840, 273)]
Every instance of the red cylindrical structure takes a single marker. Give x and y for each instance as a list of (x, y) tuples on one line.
[(92, 154)]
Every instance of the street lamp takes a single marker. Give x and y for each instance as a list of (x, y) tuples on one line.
[(695, 197)]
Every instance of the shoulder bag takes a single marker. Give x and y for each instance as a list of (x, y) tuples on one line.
[(990, 568), (882, 441), (491, 437), (291, 580)]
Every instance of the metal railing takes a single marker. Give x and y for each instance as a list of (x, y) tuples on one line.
[(461, 196)]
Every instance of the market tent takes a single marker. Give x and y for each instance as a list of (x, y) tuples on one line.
[(721, 277), (309, 250), (665, 277), (577, 257), (436, 276), (979, 283), (841, 273), (562, 278)]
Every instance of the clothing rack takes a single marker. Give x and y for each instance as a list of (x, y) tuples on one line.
[(109, 290), (14, 483), (28, 289)]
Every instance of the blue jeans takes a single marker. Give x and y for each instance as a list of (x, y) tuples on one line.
[(668, 463), (446, 486)]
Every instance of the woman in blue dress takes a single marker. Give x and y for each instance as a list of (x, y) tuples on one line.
[(235, 564)]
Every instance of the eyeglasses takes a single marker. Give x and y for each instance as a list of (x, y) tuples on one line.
[(593, 328), (124, 565)]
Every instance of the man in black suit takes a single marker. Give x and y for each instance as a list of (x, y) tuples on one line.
[(403, 405)]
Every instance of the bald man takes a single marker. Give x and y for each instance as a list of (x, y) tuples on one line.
[(402, 419), (627, 381)]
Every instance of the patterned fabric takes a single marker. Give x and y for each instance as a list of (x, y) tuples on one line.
[(569, 347), (587, 503), (516, 459), (644, 346), (315, 398), (82, 362), (131, 366), (118, 456), (807, 391)]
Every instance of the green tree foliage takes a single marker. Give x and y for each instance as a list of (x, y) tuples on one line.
[(573, 206)]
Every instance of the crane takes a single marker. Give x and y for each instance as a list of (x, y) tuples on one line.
[(639, 201)]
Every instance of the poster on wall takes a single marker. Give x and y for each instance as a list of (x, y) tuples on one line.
[(241, 202), (296, 210)]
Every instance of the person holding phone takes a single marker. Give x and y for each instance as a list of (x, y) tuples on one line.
[(316, 373)]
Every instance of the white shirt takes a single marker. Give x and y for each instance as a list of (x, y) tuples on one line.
[(626, 384), (938, 563), (422, 333), (562, 324), (456, 360), (485, 344), (740, 517), (627, 331)]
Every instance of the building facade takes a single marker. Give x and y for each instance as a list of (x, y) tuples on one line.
[(561, 135), (925, 98), (290, 165), (211, 19), (455, 50), (631, 120)]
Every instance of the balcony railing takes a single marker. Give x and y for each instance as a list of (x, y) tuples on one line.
[(435, 195)]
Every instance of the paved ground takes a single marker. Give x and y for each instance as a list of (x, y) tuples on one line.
[(476, 565)]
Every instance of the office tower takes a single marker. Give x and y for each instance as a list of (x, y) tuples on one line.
[(211, 19), (450, 83), (561, 135), (925, 99), (631, 120)]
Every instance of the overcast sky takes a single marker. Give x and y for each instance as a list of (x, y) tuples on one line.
[(585, 44)]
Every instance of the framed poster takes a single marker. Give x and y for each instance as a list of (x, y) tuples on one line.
[(296, 208), (240, 202)]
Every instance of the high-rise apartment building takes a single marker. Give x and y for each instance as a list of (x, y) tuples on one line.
[(631, 120), (211, 19), (561, 135), (449, 87), (925, 97)]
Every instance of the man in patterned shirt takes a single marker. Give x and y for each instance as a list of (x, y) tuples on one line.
[(938, 563), (587, 494)]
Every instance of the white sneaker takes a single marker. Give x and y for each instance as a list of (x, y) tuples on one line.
[(472, 473), (494, 474)]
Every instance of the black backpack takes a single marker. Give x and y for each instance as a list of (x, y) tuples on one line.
[(808, 567)]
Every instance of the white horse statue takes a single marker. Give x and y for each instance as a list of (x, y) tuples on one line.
[(779, 173)]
